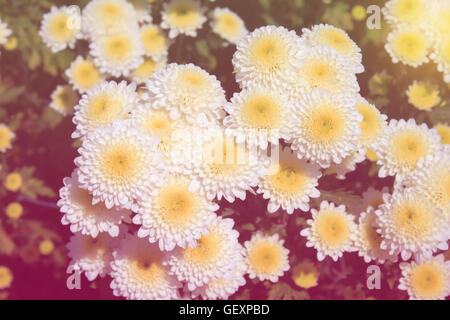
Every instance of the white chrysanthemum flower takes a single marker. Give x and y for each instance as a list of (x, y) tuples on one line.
[(331, 231), (431, 178), (102, 105), (266, 257), (6, 136), (368, 240), (413, 12), (222, 167), (441, 55), (324, 68), (154, 41), (291, 184), (258, 116), (108, 17), (143, 10), (428, 279), (182, 17), (117, 54), (348, 164), (119, 164), (60, 28), (338, 39), (409, 224), (64, 100), (187, 91), (440, 17), (138, 272), (83, 216), (91, 255), (373, 125), (223, 288), (325, 127), (268, 56), (175, 214), (216, 255), (5, 32), (146, 70), (83, 74), (405, 144), (409, 44), (228, 25)]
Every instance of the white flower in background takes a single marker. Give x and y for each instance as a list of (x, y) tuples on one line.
[(347, 165), (175, 214), (83, 216), (91, 255), (269, 57), (119, 164), (5, 32), (336, 38), (440, 17), (145, 71), (368, 240), (6, 136), (426, 279), (102, 105), (154, 41), (405, 144), (138, 272), (108, 17), (413, 12), (441, 55), (258, 116), (325, 127), (182, 17), (371, 198), (60, 28), (216, 255), (373, 125), (266, 257), (64, 100), (291, 185), (409, 44), (117, 54), (83, 74), (143, 10), (324, 68), (409, 224), (331, 231), (228, 25), (223, 288), (187, 91)]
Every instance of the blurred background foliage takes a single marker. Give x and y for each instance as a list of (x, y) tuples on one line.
[(43, 151)]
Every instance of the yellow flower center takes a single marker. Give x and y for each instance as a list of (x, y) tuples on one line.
[(14, 210), (269, 53), (325, 124), (86, 75), (208, 247), (408, 147), (290, 179), (423, 95), (183, 14), (442, 129), (265, 257), (146, 69), (337, 39), (120, 162), (305, 275), (5, 137), (177, 205), (13, 181), (319, 73), (332, 229), (153, 39), (410, 46), (227, 24), (104, 108), (110, 13), (148, 268), (118, 47), (413, 219), (428, 280), (59, 28), (46, 247), (409, 10), (371, 123), (262, 112)]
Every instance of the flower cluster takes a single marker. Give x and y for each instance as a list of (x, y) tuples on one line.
[(421, 31), (154, 162)]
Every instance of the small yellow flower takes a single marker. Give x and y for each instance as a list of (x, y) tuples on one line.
[(6, 277), (11, 44), (14, 210), (6, 136), (444, 131), (13, 181), (305, 275), (423, 95), (359, 12), (46, 247)]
